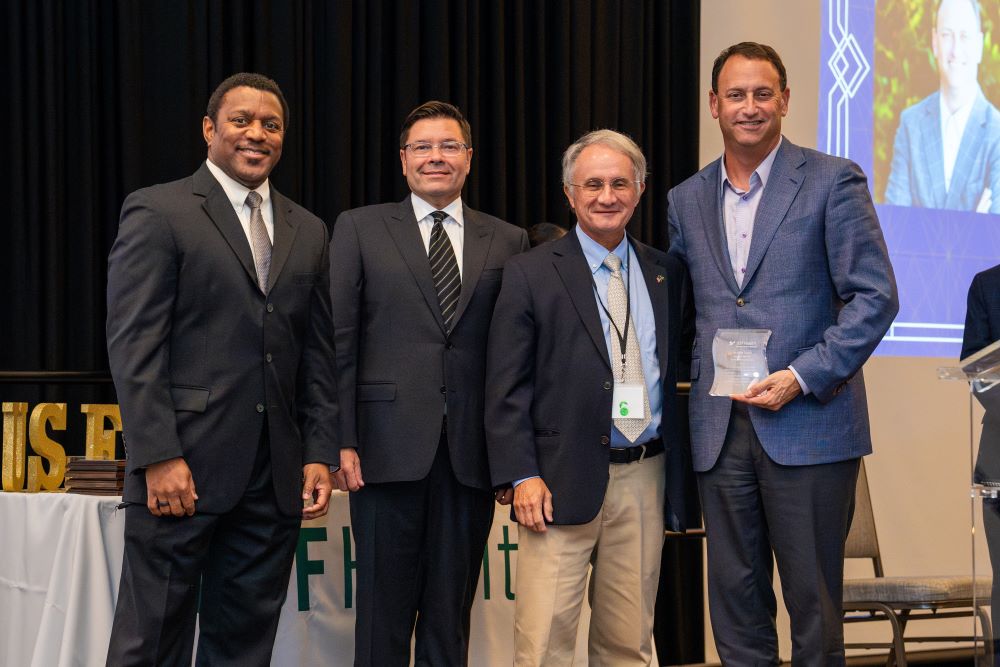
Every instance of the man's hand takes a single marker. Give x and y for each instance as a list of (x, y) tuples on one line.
[(504, 496), (771, 393), (533, 504), (348, 478), (170, 488), (316, 489)]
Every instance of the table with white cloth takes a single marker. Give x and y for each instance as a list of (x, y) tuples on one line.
[(61, 558)]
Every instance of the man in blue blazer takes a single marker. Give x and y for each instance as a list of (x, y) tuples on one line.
[(783, 238), (947, 148)]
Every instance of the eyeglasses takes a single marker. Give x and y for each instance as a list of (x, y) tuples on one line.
[(595, 185), (447, 148)]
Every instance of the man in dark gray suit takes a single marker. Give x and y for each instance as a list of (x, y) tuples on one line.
[(413, 287), (782, 238), (220, 344)]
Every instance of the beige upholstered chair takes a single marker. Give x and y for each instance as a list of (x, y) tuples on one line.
[(902, 600)]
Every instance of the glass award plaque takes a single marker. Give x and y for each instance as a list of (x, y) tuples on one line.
[(740, 358)]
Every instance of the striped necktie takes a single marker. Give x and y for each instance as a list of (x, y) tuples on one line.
[(444, 269)]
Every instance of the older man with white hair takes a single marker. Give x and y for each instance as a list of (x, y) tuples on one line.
[(581, 414)]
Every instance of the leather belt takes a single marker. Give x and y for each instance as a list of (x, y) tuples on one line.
[(637, 452)]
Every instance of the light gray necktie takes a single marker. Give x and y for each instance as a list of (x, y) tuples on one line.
[(259, 240), (632, 371)]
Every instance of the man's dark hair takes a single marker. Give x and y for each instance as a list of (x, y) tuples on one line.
[(435, 109), (753, 51), (250, 80), (543, 232)]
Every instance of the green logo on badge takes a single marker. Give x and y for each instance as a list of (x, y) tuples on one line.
[(623, 408)]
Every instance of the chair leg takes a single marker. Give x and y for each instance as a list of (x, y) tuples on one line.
[(987, 657), (897, 655)]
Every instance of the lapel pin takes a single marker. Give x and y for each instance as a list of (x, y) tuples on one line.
[(660, 278)]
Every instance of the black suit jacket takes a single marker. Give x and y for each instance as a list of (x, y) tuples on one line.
[(982, 327), (982, 317), (550, 381), (199, 355), (398, 368)]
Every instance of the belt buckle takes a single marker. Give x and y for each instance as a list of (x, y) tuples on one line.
[(642, 454)]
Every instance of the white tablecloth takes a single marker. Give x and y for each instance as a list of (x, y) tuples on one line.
[(61, 556)]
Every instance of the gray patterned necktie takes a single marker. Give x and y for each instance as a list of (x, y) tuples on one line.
[(259, 240), (632, 373), (444, 269)]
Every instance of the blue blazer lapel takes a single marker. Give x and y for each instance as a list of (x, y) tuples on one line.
[(710, 205), (576, 277), (284, 235), (478, 237), (402, 226), (220, 211), (931, 167), (782, 186), (973, 139)]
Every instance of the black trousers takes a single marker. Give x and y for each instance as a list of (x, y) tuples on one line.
[(419, 552), (754, 508), (242, 560)]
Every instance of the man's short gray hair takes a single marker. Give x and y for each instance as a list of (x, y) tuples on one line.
[(613, 140)]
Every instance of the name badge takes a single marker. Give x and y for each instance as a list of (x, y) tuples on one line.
[(627, 403)]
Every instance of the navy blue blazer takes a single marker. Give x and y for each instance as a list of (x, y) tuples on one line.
[(549, 379)]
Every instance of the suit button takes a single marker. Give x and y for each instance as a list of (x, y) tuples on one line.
[(449, 345), (260, 408), (607, 385), (740, 302), (268, 357), (270, 307), (444, 389), (605, 440)]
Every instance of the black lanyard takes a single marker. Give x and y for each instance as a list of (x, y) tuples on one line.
[(621, 333)]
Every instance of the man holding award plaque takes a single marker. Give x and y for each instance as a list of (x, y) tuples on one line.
[(790, 273)]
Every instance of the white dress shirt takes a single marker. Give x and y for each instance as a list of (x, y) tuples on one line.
[(237, 193), (952, 129), (454, 225)]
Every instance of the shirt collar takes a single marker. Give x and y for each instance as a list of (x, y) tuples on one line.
[(595, 253), (422, 209), (962, 113), (235, 191), (763, 170)]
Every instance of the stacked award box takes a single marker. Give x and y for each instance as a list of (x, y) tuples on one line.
[(95, 477)]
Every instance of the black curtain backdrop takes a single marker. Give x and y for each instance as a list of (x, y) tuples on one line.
[(107, 97)]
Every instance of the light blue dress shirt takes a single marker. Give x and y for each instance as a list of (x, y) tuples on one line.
[(641, 318), (739, 210)]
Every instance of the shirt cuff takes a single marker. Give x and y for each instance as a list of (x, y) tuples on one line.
[(525, 480), (802, 383)]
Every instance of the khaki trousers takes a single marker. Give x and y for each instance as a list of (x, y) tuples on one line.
[(623, 545)]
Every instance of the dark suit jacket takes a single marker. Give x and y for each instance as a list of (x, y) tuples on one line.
[(398, 368), (982, 327), (199, 355), (550, 381), (982, 318)]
